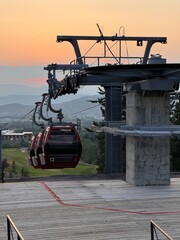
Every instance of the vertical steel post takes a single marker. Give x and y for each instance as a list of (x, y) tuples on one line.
[(152, 230), (113, 144), (8, 229)]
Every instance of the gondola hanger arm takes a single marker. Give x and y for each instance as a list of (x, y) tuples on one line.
[(34, 115), (44, 95), (50, 105)]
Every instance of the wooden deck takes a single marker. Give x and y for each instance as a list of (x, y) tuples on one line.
[(89, 209)]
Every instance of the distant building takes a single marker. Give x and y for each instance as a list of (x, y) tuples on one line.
[(10, 135)]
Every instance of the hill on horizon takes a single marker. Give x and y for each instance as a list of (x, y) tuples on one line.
[(80, 107), (31, 90), (31, 99)]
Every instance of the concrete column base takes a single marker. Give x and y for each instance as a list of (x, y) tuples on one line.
[(147, 161), (147, 158)]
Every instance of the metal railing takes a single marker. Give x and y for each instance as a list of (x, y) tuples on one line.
[(12, 230), (154, 232), (101, 60)]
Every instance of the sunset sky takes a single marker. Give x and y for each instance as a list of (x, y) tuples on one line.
[(29, 30)]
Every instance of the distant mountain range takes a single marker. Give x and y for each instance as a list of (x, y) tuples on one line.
[(15, 107), (16, 100), (27, 95), (31, 99)]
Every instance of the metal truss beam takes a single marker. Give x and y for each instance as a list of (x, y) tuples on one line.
[(139, 40)]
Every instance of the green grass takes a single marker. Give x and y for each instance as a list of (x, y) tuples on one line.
[(19, 157)]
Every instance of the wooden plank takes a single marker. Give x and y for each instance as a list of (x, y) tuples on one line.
[(89, 209)]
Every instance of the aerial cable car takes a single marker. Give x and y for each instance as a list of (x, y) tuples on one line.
[(33, 158), (59, 145), (39, 138)]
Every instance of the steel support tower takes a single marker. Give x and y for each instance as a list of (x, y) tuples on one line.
[(147, 76)]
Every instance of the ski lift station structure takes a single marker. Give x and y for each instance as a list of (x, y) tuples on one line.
[(147, 86)]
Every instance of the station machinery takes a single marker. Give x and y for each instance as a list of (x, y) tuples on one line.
[(59, 146)]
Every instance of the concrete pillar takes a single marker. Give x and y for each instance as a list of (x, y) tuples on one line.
[(113, 144), (147, 158)]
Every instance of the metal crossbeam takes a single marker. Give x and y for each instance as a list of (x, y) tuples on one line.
[(118, 74), (69, 38), (139, 131), (65, 67), (139, 40)]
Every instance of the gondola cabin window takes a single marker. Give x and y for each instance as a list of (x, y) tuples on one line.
[(65, 136)]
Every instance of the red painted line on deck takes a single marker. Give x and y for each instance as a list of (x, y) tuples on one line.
[(102, 208), (52, 193)]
